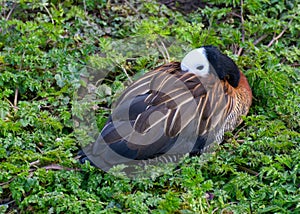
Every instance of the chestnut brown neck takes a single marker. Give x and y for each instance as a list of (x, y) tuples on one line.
[(244, 82)]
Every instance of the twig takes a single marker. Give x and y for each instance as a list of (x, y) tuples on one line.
[(10, 12), (105, 108), (250, 171), (130, 80), (243, 28), (242, 20), (58, 167), (215, 210), (16, 98), (163, 50), (133, 8), (84, 7), (52, 21), (77, 157), (207, 201), (280, 35), (295, 64), (260, 39), (239, 53), (34, 163), (15, 105), (8, 203), (38, 148), (201, 208), (10, 103), (234, 48), (238, 131), (166, 50), (235, 14), (7, 182), (159, 48), (256, 42)]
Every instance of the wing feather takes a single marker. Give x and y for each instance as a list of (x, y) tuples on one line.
[(180, 97), (164, 103)]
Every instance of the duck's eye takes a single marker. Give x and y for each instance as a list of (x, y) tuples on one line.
[(227, 77), (200, 67)]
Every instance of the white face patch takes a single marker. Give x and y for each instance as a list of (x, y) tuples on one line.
[(196, 62)]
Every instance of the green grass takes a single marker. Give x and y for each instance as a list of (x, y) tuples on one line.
[(44, 47)]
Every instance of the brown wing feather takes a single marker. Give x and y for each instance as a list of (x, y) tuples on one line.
[(174, 101), (181, 97)]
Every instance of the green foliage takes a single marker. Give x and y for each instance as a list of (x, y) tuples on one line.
[(46, 46)]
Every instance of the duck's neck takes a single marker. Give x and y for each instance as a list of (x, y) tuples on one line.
[(243, 83)]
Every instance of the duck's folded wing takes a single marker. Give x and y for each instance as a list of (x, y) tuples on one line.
[(164, 111)]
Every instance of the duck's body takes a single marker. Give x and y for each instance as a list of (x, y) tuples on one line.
[(177, 108)]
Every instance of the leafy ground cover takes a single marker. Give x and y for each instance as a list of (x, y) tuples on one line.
[(46, 45)]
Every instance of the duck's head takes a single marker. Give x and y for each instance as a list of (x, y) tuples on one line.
[(205, 59)]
